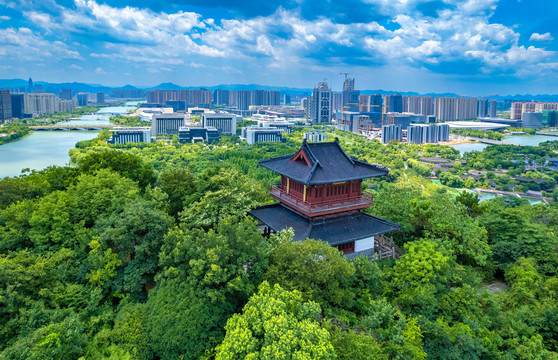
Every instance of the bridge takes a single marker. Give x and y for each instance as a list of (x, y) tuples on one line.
[(74, 127), (547, 133), (493, 142)]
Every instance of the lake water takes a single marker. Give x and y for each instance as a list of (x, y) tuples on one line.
[(488, 196), (531, 140), (45, 148)]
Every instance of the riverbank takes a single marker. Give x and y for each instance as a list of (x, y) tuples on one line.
[(40, 149), (4, 141)]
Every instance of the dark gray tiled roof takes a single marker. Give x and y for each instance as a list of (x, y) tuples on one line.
[(334, 230), (328, 164)]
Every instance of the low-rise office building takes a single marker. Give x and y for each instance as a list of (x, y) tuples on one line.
[(167, 123), (316, 136), (285, 126), (130, 135), (224, 122), (193, 134), (255, 133)]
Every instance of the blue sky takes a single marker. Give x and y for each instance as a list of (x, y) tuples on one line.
[(469, 47)]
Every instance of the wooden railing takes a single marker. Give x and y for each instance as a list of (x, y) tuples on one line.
[(386, 248), (364, 200)]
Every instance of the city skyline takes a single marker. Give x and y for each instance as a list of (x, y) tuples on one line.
[(468, 47)]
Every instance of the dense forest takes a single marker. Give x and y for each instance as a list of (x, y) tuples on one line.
[(145, 251)]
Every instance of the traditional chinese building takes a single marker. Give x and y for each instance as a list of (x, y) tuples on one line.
[(320, 197)]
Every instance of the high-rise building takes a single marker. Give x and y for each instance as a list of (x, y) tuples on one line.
[(265, 97), (466, 108), (30, 86), (5, 106), (65, 94), (396, 103), (549, 118), (405, 104), (18, 105), (427, 133), (40, 103), (427, 105), (320, 105), (100, 97), (66, 105), (482, 108), (286, 99), (350, 95), (532, 120), (257, 97), (221, 97), (364, 103), (527, 106), (337, 101), (82, 99), (391, 133), (445, 109), (225, 123), (403, 120), (243, 98), (274, 98), (516, 110), (167, 123), (199, 97), (492, 105), (127, 93), (414, 104)]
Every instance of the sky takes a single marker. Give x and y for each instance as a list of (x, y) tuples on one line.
[(467, 47)]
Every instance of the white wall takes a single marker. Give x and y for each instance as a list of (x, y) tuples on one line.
[(364, 244)]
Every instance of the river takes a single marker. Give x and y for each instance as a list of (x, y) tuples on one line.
[(532, 140), (44, 148)]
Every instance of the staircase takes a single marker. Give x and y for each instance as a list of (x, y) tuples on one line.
[(386, 248)]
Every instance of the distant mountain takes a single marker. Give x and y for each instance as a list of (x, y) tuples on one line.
[(92, 88)]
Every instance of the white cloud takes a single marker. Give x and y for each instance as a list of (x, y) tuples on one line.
[(541, 37), (4, 18), (100, 71), (77, 67), (24, 44), (461, 32)]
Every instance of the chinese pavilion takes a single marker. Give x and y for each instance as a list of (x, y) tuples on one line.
[(320, 197)]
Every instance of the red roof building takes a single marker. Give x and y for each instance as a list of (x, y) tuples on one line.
[(320, 197)]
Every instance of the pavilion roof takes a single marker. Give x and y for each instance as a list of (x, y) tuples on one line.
[(322, 163), (334, 230)]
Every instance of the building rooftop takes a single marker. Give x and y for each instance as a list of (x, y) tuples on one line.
[(322, 163), (334, 230), (477, 125)]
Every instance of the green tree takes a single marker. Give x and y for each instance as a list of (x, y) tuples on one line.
[(179, 184), (124, 163), (276, 324), (207, 277), (320, 272)]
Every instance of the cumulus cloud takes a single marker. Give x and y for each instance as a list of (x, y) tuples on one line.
[(458, 31), (24, 44), (541, 37), (76, 67), (100, 71), (4, 18)]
